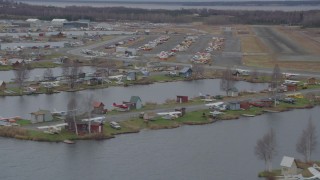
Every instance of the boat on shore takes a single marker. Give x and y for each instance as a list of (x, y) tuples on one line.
[(68, 141), (271, 111), (248, 115)]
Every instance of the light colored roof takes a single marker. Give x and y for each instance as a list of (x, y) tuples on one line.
[(1, 82), (32, 20), (287, 161), (58, 20)]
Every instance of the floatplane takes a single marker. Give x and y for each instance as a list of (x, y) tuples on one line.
[(118, 78), (170, 115), (290, 75), (99, 119), (53, 129), (290, 82), (216, 105), (120, 107)]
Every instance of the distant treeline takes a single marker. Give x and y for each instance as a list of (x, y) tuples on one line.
[(9, 9)]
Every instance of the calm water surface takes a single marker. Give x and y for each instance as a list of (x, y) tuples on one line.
[(220, 151)]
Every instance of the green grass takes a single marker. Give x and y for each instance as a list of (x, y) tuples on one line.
[(23, 122), (276, 172), (6, 68), (158, 78)]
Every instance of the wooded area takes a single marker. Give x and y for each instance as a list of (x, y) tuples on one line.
[(209, 16)]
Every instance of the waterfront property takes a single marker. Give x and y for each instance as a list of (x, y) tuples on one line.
[(2, 85), (98, 108), (137, 102), (186, 72), (288, 166), (41, 116)]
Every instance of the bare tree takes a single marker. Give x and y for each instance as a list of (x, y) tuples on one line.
[(88, 107), (198, 71), (276, 79), (265, 149), (254, 74), (308, 141), (71, 72), (227, 81), (48, 74), (72, 111), (22, 73)]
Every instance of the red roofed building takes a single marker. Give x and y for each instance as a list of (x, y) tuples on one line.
[(98, 108)]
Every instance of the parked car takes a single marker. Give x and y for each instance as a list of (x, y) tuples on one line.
[(115, 125), (289, 100)]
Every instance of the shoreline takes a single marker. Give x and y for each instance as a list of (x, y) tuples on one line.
[(136, 125)]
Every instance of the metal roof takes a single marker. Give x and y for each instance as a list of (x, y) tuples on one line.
[(287, 161)]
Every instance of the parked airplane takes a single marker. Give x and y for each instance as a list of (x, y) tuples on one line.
[(170, 115), (59, 113), (290, 75), (290, 82), (95, 119), (216, 104), (243, 72), (54, 129), (117, 77), (122, 106), (214, 113)]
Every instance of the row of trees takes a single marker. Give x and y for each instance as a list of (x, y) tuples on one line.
[(265, 148), (210, 16)]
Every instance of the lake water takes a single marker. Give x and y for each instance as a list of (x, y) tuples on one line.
[(223, 150), (173, 6), (157, 92)]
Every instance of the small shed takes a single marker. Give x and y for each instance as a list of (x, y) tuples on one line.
[(233, 92), (137, 102), (292, 87), (182, 99), (41, 116), (2, 85), (131, 75), (234, 105), (185, 72), (312, 81), (288, 166), (98, 108), (245, 105)]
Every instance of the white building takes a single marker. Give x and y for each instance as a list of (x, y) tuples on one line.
[(288, 167), (58, 22)]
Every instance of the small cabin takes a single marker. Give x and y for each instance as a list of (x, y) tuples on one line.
[(312, 81), (131, 76), (292, 87), (98, 108), (2, 85), (234, 105), (83, 127), (182, 99), (41, 116), (245, 105), (288, 166), (136, 100), (185, 72), (233, 92)]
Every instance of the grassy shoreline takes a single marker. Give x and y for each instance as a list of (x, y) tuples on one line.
[(135, 125)]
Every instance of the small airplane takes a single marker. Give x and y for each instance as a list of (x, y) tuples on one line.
[(54, 129), (170, 115), (95, 119), (314, 172), (214, 113), (290, 75), (290, 82), (59, 113), (243, 72), (117, 77), (121, 106), (216, 104)]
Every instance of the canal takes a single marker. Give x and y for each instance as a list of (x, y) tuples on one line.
[(157, 92), (223, 150)]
